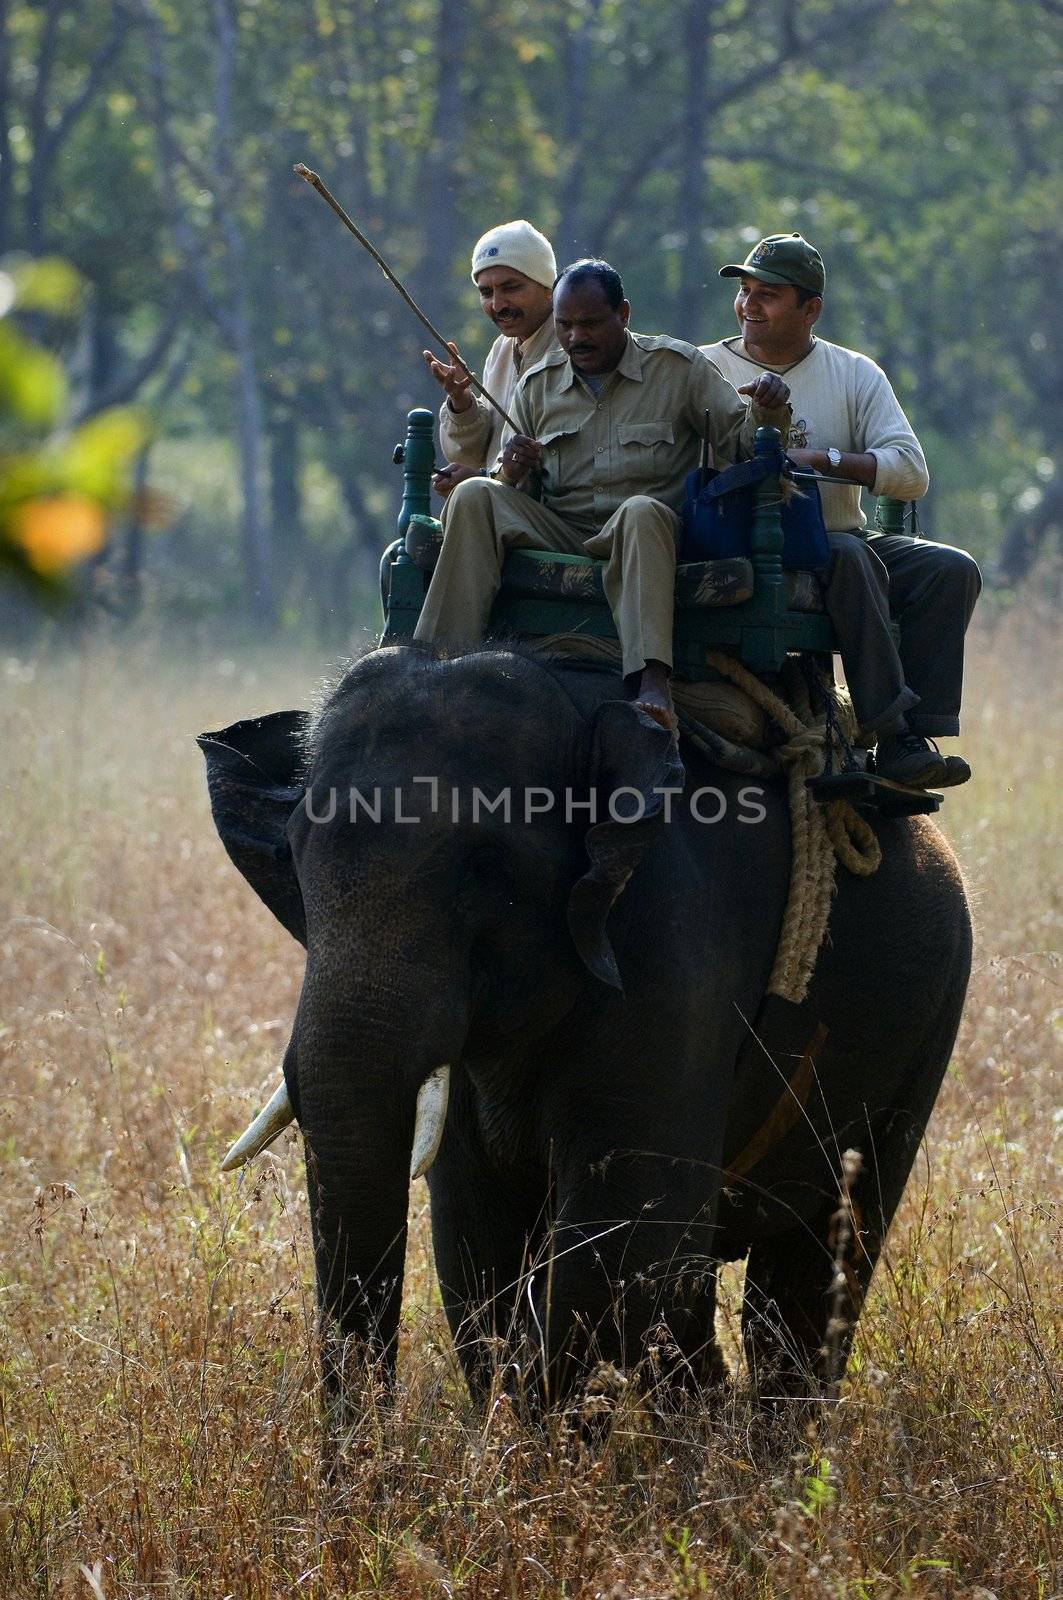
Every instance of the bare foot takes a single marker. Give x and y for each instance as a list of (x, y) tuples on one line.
[(655, 697)]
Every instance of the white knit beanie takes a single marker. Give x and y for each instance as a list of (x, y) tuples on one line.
[(519, 245)]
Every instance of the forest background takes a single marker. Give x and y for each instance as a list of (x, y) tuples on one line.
[(151, 144), (159, 1412)]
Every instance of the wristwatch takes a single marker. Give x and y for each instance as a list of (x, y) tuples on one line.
[(834, 456)]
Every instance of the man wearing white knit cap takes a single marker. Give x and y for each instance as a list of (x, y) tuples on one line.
[(514, 269)]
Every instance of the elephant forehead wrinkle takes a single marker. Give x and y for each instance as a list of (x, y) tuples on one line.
[(411, 687)]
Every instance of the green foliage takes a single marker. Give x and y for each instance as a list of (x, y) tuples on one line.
[(818, 1491), (57, 484), (916, 144)]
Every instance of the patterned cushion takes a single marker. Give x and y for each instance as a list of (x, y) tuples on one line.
[(805, 592), (546, 575), (713, 583), (549, 575)]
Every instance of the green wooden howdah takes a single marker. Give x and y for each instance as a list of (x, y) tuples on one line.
[(748, 609)]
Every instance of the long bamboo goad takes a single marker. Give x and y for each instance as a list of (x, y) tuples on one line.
[(314, 181)]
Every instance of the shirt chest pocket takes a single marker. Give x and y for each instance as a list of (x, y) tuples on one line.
[(645, 450), (560, 448)]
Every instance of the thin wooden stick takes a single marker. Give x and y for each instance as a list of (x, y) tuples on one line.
[(314, 181)]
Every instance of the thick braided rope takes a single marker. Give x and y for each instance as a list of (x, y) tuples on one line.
[(820, 834)]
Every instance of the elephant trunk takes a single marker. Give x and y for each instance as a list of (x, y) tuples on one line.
[(371, 1106), (357, 1177)]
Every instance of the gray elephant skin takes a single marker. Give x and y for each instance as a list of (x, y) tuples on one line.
[(626, 1110)]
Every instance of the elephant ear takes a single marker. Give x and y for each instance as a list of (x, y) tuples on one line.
[(629, 752), (254, 772)]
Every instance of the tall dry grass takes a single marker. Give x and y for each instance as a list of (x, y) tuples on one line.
[(159, 1429)]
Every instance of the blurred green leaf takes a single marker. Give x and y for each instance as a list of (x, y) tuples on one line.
[(95, 459), (32, 386), (49, 284)]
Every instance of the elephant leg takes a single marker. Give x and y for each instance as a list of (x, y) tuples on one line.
[(799, 1315), (805, 1289), (480, 1235), (631, 1294), (799, 1312)]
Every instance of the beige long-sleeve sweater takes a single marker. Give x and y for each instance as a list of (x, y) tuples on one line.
[(472, 438), (841, 398)]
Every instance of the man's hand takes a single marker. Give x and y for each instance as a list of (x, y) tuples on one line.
[(520, 455), (452, 378), (449, 477), (768, 391)]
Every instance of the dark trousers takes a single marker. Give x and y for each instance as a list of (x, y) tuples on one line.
[(930, 589)]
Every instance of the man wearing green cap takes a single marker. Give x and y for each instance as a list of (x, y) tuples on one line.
[(847, 423)]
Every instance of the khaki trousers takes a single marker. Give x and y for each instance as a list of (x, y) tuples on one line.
[(483, 519)]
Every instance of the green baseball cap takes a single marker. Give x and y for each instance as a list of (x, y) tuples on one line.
[(782, 258)]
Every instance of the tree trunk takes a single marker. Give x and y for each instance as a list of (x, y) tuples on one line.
[(39, 132), (254, 527), (371, 538), (104, 357), (6, 112), (697, 45), (131, 572), (571, 240), (48, 132), (285, 504), (443, 183), (1027, 537)]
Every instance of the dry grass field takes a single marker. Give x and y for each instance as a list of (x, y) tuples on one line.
[(159, 1430)]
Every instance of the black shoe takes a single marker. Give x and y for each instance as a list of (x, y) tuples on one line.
[(956, 771), (909, 758)]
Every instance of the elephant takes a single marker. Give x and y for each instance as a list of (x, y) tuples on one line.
[(558, 1007)]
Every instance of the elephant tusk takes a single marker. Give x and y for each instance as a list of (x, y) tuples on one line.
[(431, 1115), (265, 1128)]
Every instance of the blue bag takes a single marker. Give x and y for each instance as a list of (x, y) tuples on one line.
[(718, 515)]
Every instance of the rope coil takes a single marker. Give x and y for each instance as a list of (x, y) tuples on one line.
[(821, 834)]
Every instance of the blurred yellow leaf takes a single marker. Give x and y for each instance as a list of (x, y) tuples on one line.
[(54, 534), (32, 385), (50, 284), (26, 475), (95, 458)]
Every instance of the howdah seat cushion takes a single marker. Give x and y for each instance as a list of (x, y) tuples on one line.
[(550, 575)]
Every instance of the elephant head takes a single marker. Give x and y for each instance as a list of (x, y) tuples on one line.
[(445, 925)]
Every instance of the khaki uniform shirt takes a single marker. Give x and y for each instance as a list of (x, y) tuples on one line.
[(641, 435), (472, 438)]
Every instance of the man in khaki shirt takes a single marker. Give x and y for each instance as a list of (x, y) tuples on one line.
[(513, 268), (609, 424)]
